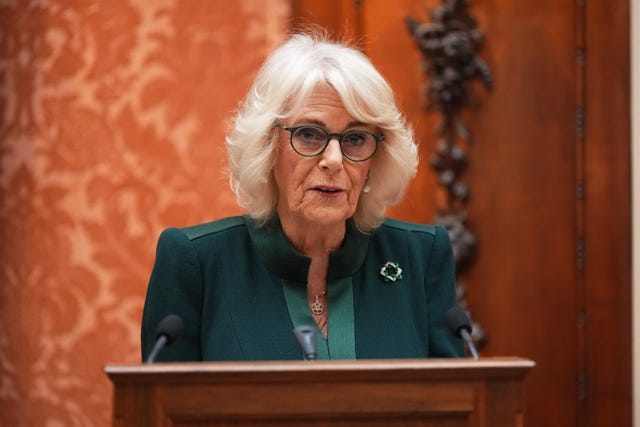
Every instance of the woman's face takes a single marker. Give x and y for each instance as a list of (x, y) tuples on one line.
[(325, 189)]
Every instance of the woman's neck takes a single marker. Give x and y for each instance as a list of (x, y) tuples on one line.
[(313, 240)]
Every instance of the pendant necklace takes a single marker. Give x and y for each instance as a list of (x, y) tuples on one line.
[(317, 307)]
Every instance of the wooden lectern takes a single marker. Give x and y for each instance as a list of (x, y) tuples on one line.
[(488, 392)]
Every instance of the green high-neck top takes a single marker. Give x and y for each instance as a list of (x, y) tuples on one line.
[(241, 289)]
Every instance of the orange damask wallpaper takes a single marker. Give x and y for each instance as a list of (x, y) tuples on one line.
[(113, 114)]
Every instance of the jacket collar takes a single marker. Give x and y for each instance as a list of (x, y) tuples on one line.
[(283, 260)]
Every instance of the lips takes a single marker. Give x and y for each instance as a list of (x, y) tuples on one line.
[(327, 189)]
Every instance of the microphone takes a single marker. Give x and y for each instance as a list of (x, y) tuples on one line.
[(460, 325), (169, 329), (306, 337)]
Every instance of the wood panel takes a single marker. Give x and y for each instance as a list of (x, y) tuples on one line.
[(393, 51), (607, 275), (523, 286), (550, 200)]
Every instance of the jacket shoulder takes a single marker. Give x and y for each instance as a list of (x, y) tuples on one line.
[(394, 224), (214, 227)]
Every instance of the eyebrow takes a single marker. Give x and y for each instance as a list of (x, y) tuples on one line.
[(324, 125)]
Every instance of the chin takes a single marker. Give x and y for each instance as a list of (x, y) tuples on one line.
[(327, 218)]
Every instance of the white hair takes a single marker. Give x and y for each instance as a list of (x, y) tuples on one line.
[(281, 87)]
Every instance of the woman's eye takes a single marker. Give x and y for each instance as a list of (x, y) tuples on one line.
[(309, 135), (354, 138)]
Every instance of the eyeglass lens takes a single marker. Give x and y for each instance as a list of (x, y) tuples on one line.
[(355, 144)]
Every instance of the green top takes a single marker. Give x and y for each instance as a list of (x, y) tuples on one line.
[(340, 341), (241, 289)]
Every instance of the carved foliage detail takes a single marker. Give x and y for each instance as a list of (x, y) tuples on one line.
[(449, 46)]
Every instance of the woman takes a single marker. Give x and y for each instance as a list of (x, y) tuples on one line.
[(318, 151)]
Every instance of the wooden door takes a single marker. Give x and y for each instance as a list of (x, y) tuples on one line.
[(549, 175)]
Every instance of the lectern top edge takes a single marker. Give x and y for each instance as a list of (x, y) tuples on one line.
[(499, 366)]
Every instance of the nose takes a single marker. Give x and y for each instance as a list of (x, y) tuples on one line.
[(332, 155)]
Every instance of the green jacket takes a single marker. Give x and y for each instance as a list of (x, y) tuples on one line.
[(232, 284)]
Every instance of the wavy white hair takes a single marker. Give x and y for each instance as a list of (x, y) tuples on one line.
[(282, 85)]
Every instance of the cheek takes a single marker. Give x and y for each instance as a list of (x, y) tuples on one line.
[(359, 177), (289, 172)]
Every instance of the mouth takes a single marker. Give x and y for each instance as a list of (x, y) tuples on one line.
[(328, 190)]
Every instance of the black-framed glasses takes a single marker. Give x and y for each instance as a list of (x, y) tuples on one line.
[(311, 141)]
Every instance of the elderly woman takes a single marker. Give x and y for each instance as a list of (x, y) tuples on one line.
[(318, 152)]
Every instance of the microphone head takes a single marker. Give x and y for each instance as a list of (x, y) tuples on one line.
[(306, 337), (170, 327), (457, 320)]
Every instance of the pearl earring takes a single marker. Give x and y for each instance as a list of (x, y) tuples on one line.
[(366, 188)]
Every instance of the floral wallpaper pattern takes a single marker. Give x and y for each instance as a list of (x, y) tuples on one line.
[(112, 121)]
